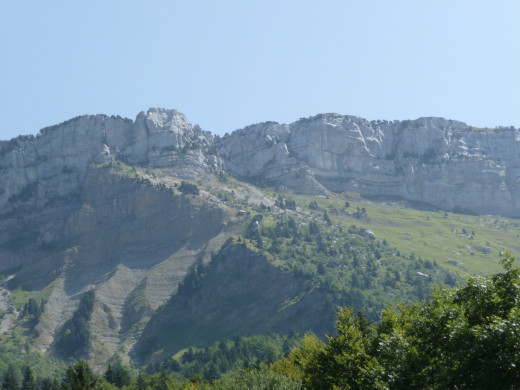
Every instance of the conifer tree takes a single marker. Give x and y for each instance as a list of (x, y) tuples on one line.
[(10, 382), (28, 382)]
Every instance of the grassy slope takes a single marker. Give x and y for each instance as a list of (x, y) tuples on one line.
[(433, 235)]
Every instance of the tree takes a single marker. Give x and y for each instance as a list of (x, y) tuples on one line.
[(10, 382), (117, 375), (140, 382), (79, 376), (188, 188), (31, 308), (313, 228), (50, 384), (347, 361), (261, 379), (326, 218), (464, 338), (28, 382)]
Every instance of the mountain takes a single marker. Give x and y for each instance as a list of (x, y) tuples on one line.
[(186, 237), (438, 162)]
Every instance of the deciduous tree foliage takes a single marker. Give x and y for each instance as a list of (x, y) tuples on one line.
[(465, 338), (461, 338)]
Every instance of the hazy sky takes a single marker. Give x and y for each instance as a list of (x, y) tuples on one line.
[(227, 64)]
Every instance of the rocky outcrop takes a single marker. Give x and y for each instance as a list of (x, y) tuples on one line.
[(78, 211), (443, 163), (54, 163)]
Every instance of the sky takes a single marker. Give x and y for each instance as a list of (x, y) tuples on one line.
[(229, 64)]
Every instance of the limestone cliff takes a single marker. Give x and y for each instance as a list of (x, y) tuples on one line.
[(80, 208), (54, 163), (444, 163)]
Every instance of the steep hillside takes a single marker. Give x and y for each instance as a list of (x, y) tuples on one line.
[(126, 235), (134, 209), (240, 293)]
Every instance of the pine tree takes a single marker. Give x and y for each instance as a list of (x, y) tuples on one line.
[(50, 384), (79, 377), (10, 382), (28, 382)]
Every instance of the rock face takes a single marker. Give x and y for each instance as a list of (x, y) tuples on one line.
[(440, 162), (94, 203), (444, 163), (79, 211), (54, 163)]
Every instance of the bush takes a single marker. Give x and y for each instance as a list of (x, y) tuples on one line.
[(188, 188)]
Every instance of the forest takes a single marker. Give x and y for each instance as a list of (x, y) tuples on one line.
[(464, 337)]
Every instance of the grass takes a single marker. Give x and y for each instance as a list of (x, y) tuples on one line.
[(431, 235), (439, 236), (444, 237), (19, 297)]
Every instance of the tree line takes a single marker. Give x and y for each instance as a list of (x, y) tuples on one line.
[(461, 338)]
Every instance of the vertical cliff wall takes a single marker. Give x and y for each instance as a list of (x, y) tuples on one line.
[(444, 163)]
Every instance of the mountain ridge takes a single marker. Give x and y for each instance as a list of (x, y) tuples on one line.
[(440, 162), (99, 202)]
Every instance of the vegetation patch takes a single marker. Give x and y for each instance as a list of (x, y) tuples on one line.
[(75, 335)]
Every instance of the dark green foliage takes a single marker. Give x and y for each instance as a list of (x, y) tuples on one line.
[(10, 382), (140, 382), (361, 213), (347, 361), (228, 355), (313, 205), (314, 228), (326, 218), (283, 203), (117, 374), (75, 335), (193, 280), (350, 265), (466, 338), (80, 376), (260, 378), (33, 309), (28, 382), (290, 204), (50, 384), (188, 188)]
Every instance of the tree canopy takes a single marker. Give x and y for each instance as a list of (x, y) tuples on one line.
[(463, 338)]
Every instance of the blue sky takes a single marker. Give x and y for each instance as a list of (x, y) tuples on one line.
[(228, 64)]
